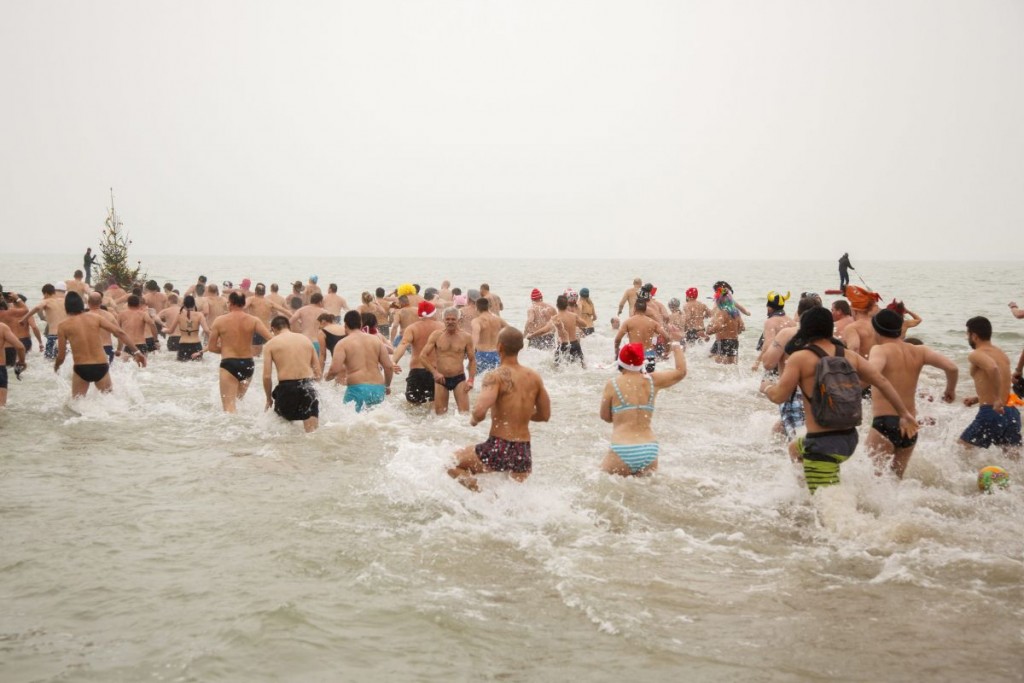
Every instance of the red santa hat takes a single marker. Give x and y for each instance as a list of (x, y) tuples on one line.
[(631, 357), (426, 309)]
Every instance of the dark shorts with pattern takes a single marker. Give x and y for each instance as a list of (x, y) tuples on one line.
[(889, 427), (992, 429), (727, 348), (296, 399), (505, 456), (823, 452), (239, 368), (546, 341), (419, 386), (569, 352)]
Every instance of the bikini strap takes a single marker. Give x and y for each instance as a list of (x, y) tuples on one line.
[(650, 401), (618, 392)]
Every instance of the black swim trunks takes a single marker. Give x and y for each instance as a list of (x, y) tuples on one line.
[(569, 352), (150, 345), (172, 342), (692, 336), (257, 339), (186, 349), (450, 383), (889, 427), (587, 331), (727, 348), (419, 386), (505, 456), (239, 368), (296, 399), (10, 356), (109, 350), (3, 377), (91, 373)]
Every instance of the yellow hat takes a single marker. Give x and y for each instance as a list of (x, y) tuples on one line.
[(406, 290), (776, 300)]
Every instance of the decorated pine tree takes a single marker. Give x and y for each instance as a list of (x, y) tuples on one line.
[(114, 252)]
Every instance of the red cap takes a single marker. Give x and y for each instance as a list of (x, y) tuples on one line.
[(426, 309), (691, 293), (535, 295), (631, 357), (246, 282)]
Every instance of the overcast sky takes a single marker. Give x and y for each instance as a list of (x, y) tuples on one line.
[(890, 129)]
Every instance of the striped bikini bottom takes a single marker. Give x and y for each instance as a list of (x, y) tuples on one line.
[(637, 456)]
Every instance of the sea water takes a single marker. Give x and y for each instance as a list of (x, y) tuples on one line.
[(148, 536)]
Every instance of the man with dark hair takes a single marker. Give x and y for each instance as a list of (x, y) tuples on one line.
[(823, 449), (138, 325), (333, 302), (516, 396), (364, 358), (82, 332), (998, 419), (231, 336), (295, 397), (842, 315), (484, 329), (52, 308), (566, 324), (9, 344), (306, 320), (791, 411), (901, 364)]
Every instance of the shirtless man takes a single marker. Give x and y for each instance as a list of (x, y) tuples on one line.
[(82, 331), (444, 295), (822, 450), (333, 302), (231, 337), (726, 325), (842, 316), (361, 357), (306, 319), (212, 304), (406, 315), (137, 324), (52, 308), (77, 284), (106, 338), (154, 299), (311, 289), (587, 312), (451, 347), (264, 308), (516, 396), (859, 336), (166, 317), (485, 328), (12, 312), (998, 419), (295, 396), (565, 324), (496, 307), (641, 328), (467, 309), (695, 313), (777, 320), (9, 342), (419, 384), (629, 298), (537, 316), (901, 364), (275, 296), (791, 411)]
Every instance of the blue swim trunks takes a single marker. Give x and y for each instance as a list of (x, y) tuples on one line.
[(992, 429), (487, 360), (316, 347), (364, 395)]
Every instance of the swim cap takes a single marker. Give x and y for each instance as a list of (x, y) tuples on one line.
[(406, 289), (60, 286), (535, 295), (887, 323), (460, 300), (631, 357), (571, 295), (313, 279), (245, 283), (673, 303), (584, 292), (473, 295), (776, 300), (426, 309), (691, 293), (228, 285), (861, 298)]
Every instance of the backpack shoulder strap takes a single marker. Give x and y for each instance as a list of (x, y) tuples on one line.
[(818, 351)]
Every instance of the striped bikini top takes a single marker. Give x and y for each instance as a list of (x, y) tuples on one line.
[(632, 406)]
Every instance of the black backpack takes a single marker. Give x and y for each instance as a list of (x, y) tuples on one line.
[(836, 399)]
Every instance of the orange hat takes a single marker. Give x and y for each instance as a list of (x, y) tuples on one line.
[(426, 309), (861, 298), (631, 357)]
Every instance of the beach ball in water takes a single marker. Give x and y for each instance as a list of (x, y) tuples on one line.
[(987, 476)]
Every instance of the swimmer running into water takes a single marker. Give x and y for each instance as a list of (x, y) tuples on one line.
[(628, 403)]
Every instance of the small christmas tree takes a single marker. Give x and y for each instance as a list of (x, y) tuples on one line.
[(114, 252)]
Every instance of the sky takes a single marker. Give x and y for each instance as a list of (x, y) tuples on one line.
[(891, 129)]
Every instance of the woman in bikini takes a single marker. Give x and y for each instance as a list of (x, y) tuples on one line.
[(330, 334), (628, 403), (189, 323)]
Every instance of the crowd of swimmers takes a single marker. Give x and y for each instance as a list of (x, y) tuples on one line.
[(458, 341)]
